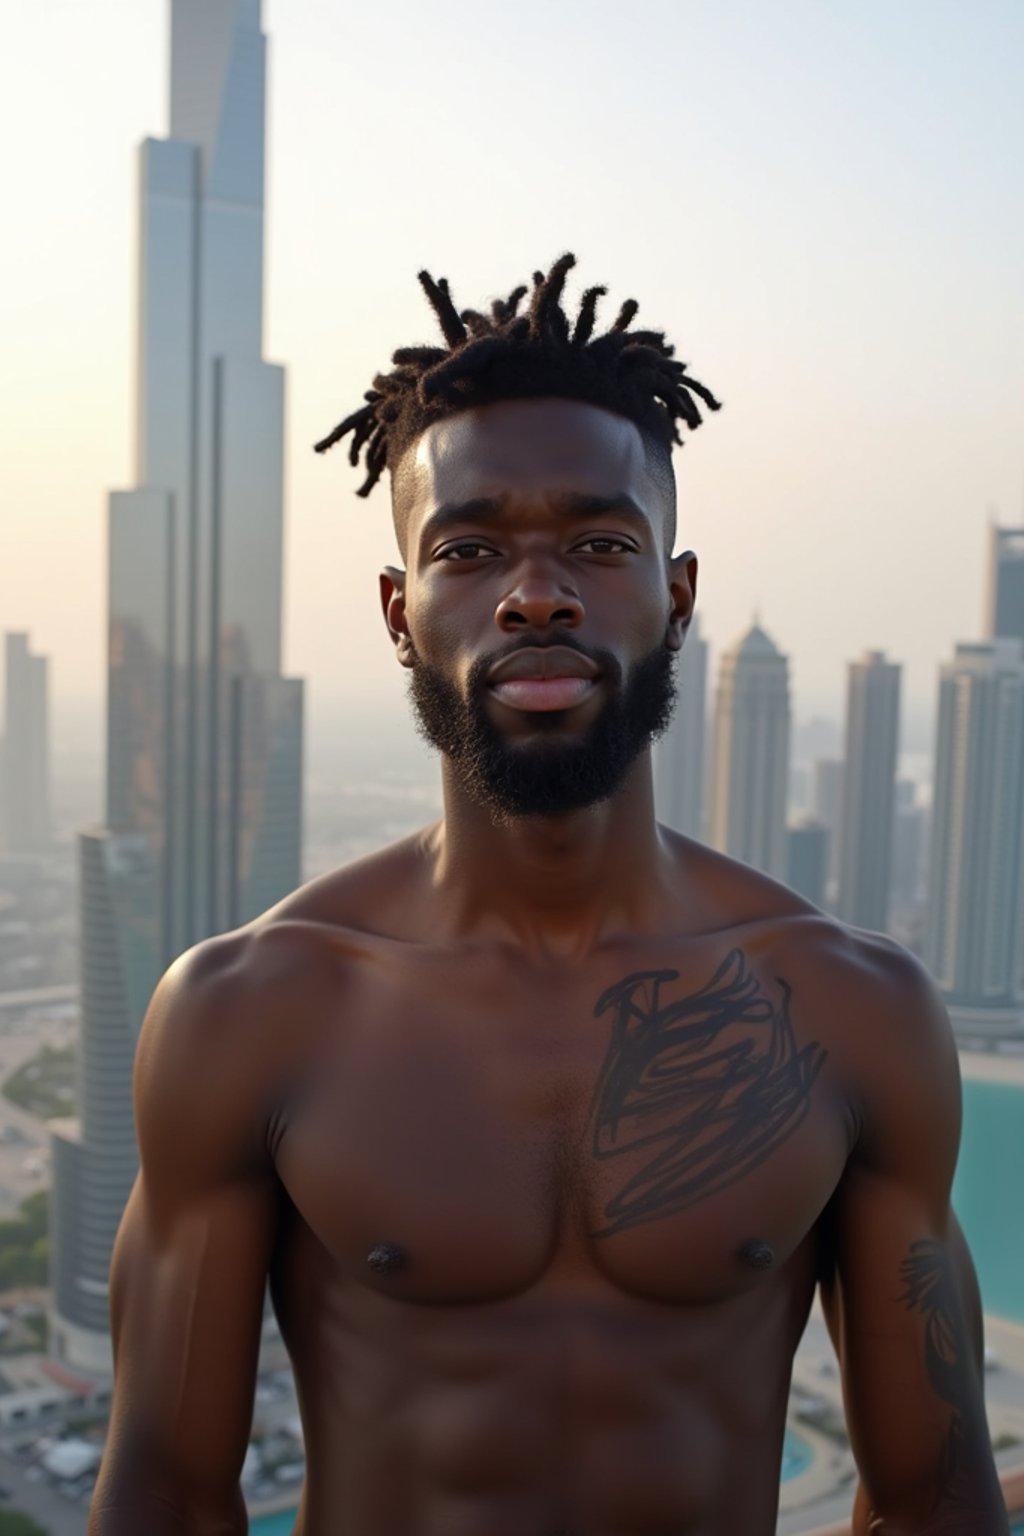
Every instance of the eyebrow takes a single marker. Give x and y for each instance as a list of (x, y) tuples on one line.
[(482, 509)]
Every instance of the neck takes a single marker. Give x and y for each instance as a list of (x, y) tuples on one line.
[(554, 885)]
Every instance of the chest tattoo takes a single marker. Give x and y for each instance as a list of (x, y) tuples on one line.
[(704, 1087)]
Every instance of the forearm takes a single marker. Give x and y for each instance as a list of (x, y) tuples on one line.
[(983, 1515), (126, 1511)]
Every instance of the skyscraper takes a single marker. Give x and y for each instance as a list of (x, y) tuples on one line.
[(751, 754), (975, 918), (827, 807), (204, 735), (679, 754), (25, 799), (1005, 616), (868, 796), (807, 859)]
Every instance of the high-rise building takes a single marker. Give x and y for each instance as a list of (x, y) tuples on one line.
[(679, 754), (975, 916), (204, 738), (1005, 616), (868, 798), (807, 859), (908, 835), (827, 807), (25, 800), (750, 772)]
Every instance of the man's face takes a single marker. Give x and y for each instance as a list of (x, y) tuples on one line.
[(540, 614)]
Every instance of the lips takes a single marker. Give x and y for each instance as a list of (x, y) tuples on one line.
[(542, 661), (546, 677)]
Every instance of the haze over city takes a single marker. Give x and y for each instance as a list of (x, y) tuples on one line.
[(206, 267), (818, 202)]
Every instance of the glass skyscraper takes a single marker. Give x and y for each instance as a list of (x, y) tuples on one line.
[(204, 735), (975, 919), (869, 791), (751, 754)]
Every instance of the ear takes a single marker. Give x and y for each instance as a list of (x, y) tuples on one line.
[(392, 601), (682, 586)]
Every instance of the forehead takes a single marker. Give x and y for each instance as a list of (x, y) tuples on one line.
[(524, 448)]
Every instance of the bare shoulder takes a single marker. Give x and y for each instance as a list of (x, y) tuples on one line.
[(223, 1036), (888, 1032), (868, 1000), (234, 1018)]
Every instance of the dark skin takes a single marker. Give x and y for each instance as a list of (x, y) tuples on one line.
[(545, 1130)]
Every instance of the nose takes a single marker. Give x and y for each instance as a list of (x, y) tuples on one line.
[(538, 600)]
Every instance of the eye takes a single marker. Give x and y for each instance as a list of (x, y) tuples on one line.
[(468, 549), (606, 544)]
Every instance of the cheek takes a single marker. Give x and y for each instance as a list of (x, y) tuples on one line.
[(439, 630)]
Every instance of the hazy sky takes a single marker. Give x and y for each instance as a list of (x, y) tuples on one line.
[(820, 202)]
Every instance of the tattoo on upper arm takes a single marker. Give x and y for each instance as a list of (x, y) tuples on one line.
[(930, 1287), (710, 1084)]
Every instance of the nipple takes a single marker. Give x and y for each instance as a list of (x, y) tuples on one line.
[(386, 1258), (758, 1254)]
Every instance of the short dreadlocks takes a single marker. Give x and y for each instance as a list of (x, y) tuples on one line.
[(506, 355)]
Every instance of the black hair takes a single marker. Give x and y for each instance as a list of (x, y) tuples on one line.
[(505, 355)]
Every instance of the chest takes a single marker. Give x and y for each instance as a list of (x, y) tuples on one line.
[(674, 1131)]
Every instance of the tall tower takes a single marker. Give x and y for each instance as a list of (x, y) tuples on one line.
[(679, 754), (869, 788), (25, 803), (975, 917), (1005, 605), (751, 754), (807, 859), (204, 735)]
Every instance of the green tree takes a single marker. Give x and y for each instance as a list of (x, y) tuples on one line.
[(14, 1524)]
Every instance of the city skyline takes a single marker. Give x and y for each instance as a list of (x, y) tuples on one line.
[(828, 492), (203, 819)]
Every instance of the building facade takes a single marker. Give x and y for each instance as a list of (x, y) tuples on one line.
[(975, 913), (750, 754), (807, 859), (869, 791), (25, 825), (203, 826), (1005, 606), (679, 755)]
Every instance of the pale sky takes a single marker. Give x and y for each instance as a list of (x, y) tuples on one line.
[(821, 203)]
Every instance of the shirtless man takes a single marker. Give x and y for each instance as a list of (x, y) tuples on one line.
[(544, 1123)]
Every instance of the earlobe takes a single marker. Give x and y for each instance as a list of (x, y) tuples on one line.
[(392, 600)]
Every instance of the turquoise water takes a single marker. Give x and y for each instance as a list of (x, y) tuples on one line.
[(796, 1458), (272, 1525), (987, 1192)]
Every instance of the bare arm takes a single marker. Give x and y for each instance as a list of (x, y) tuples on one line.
[(190, 1260), (903, 1306)]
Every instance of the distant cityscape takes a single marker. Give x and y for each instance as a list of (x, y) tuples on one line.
[(208, 816)]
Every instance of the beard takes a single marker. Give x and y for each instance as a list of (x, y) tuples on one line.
[(547, 775)]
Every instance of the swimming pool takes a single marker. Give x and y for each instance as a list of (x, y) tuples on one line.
[(986, 1191)]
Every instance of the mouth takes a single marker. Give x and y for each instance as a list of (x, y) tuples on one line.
[(542, 678), (543, 693)]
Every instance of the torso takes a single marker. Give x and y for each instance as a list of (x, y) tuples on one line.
[(550, 1233)]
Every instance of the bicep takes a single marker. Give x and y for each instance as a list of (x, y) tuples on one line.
[(906, 1335), (188, 1271), (904, 1305), (186, 1315)]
